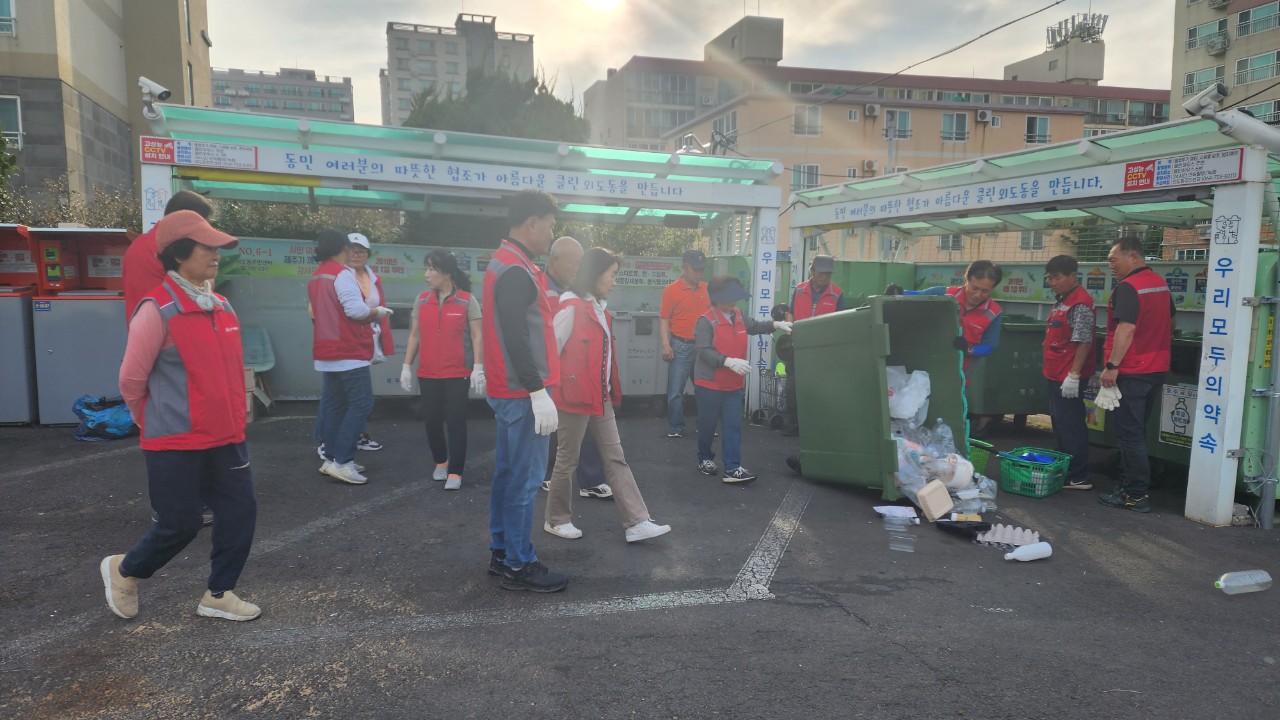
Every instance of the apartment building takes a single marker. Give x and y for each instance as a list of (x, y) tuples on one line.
[(433, 58), (69, 99), (1233, 42), (291, 91)]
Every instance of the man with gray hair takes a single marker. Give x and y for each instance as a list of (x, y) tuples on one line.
[(562, 268)]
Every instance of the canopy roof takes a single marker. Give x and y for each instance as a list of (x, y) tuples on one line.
[(307, 135), (919, 203)]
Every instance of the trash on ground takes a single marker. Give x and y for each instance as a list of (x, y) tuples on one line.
[(1008, 535), (1244, 581), (897, 511), (934, 500), (1034, 551), (908, 394)]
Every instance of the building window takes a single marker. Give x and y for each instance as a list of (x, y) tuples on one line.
[(1267, 112), (798, 88), (337, 94), (428, 67), (426, 85), (851, 173), (1192, 254), (951, 243), (402, 64), (221, 100), (191, 84), (726, 124), (897, 124), (1031, 240), (1202, 34), (290, 90), (806, 120), (451, 48), (404, 104), (315, 106), (426, 47), (269, 103), (804, 177), (1037, 130), (1258, 19), (11, 120), (315, 92), (955, 126), (1053, 64), (1194, 82), (251, 102), (251, 88), (451, 68), (269, 89), (853, 115), (335, 107), (402, 43), (7, 24), (292, 105), (455, 88), (1258, 67), (661, 88), (402, 84), (220, 85), (1095, 132)]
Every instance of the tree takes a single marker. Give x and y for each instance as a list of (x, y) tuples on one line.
[(633, 239), (8, 167), (501, 105), (1093, 243)]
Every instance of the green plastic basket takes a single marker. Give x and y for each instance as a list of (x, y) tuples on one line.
[(979, 454), (1033, 479)]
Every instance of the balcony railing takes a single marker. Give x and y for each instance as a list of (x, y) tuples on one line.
[(1258, 73), (8, 26), (1196, 87), (897, 133), (1037, 138), (1104, 119), (1251, 27), (955, 135), (1201, 40), (1142, 120), (1216, 4)]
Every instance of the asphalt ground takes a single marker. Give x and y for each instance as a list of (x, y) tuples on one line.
[(777, 599)]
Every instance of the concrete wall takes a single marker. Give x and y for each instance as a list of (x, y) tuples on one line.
[(44, 150), (105, 145), (1075, 62)]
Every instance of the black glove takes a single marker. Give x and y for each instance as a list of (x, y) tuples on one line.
[(893, 289), (779, 311), (960, 344)]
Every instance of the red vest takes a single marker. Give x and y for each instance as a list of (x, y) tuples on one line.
[(730, 340), (1149, 352), (334, 335), (974, 323), (195, 392), (387, 342), (445, 335), (502, 380), (1059, 351), (807, 306), (582, 369)]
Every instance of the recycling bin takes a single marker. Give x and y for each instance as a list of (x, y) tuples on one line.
[(843, 394), (1010, 381), (17, 349)]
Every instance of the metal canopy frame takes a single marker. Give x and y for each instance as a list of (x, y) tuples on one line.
[(1181, 207)]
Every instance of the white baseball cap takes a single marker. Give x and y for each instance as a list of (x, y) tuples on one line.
[(358, 239)]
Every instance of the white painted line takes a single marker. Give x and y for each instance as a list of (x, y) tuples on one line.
[(756, 574), (72, 462)]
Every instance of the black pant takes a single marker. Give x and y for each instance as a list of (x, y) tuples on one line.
[(1070, 429), (181, 482), (444, 406), (1136, 395)]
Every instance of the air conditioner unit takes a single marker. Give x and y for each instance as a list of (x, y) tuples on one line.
[(1122, 117), (870, 165), (982, 116), (871, 110), (708, 100)]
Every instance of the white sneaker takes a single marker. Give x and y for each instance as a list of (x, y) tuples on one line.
[(320, 451), (359, 468), (546, 486), (645, 530), (566, 531), (227, 607), (453, 483), (347, 473), (441, 472)]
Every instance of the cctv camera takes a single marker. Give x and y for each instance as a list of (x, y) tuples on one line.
[(1206, 100), (153, 89)]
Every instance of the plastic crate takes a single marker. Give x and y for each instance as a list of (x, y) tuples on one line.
[(1032, 479), (979, 455)]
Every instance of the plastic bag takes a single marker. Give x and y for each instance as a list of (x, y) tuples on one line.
[(987, 490), (908, 394), (911, 477), (103, 418)]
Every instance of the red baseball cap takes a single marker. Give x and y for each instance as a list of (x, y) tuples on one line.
[(190, 224)]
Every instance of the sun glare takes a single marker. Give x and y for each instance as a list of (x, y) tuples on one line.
[(604, 5)]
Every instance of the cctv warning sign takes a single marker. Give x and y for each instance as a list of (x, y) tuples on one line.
[(1207, 168), (168, 151)]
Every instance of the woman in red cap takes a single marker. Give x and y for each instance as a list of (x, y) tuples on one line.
[(183, 380)]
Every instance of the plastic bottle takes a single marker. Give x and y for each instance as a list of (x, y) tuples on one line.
[(1034, 551), (944, 437), (1234, 583)]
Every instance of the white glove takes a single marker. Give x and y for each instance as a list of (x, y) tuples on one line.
[(782, 325), (1071, 386), (1108, 398), (738, 365), (383, 312), (406, 378), (477, 379), (545, 417)]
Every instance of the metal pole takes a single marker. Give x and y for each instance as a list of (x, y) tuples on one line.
[(1270, 459)]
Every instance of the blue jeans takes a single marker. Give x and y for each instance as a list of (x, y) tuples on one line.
[(345, 403), (678, 372), (181, 483), (1136, 395), (1070, 429), (723, 407), (518, 467)]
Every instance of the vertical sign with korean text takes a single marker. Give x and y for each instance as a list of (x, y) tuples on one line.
[(1219, 405), (765, 270)]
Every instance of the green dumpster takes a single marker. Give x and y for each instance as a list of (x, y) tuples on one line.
[(842, 394), (1010, 381)]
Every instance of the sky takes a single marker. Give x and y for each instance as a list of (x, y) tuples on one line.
[(576, 41)]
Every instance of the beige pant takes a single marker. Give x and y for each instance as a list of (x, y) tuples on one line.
[(604, 430)]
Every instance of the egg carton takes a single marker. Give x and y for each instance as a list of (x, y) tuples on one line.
[(1007, 536)]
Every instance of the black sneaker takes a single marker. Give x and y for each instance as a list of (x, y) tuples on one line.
[(738, 475), (367, 443), (496, 566), (1125, 501), (1077, 484), (536, 577), (706, 467)]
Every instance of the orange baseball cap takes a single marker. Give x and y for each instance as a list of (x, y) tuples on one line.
[(190, 224)]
